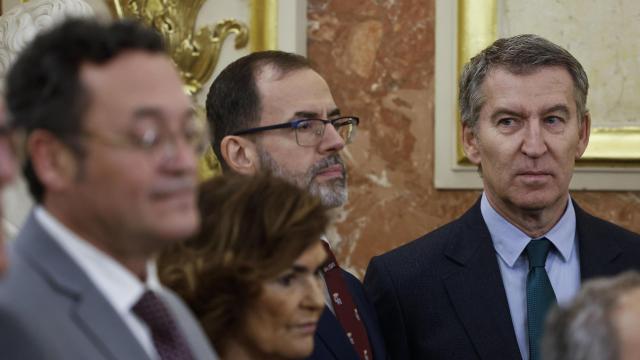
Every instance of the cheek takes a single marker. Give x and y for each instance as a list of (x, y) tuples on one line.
[(268, 321)]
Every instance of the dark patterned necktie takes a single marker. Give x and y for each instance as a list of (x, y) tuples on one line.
[(168, 341), (345, 309), (540, 295)]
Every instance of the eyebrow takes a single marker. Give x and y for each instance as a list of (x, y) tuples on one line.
[(314, 115), (506, 111), (558, 108)]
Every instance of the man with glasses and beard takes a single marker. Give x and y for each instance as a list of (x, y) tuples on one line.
[(270, 111)]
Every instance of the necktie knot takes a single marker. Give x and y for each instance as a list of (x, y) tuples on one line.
[(153, 312), (537, 251), (165, 333)]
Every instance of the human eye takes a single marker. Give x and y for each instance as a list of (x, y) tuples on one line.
[(304, 125), (552, 120), (287, 279), (193, 132), (146, 137), (506, 122), (340, 122)]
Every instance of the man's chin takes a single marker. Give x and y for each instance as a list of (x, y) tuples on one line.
[(331, 195)]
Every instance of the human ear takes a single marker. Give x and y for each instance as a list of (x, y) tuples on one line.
[(470, 143), (240, 154), (584, 133), (53, 162)]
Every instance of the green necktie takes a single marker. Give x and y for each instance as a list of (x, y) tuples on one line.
[(540, 295)]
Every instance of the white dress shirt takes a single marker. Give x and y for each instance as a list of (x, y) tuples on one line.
[(120, 287)]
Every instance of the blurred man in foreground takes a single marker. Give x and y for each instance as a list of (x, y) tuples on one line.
[(8, 148), (112, 150)]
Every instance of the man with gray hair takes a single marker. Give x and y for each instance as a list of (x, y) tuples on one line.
[(602, 322), (480, 286)]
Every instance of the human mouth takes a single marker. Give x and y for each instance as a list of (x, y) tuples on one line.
[(174, 189), (331, 172), (307, 328), (534, 175)]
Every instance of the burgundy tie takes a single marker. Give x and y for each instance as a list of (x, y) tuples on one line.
[(344, 307), (168, 341)]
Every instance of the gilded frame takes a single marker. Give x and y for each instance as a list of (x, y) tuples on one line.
[(612, 159)]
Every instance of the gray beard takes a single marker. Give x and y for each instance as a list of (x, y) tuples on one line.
[(332, 193)]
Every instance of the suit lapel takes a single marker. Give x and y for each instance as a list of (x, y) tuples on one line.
[(332, 336), (596, 253), (105, 327), (476, 289), (90, 310)]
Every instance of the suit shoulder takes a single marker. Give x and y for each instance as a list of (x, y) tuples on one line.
[(606, 229)]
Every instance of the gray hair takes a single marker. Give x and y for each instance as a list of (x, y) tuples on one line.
[(520, 55), (584, 329)]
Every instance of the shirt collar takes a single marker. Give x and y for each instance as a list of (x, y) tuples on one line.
[(119, 285), (509, 241)]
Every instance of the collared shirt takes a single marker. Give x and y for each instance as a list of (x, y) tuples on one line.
[(120, 287), (563, 265)]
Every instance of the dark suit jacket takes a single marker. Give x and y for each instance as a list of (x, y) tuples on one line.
[(442, 296), (50, 309), (331, 341)]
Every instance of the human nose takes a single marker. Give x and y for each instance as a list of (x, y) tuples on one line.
[(314, 299), (533, 143), (178, 154), (331, 140)]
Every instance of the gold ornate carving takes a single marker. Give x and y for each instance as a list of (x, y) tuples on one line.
[(477, 23), (195, 52)]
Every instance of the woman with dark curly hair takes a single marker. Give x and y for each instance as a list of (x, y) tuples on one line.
[(252, 274)]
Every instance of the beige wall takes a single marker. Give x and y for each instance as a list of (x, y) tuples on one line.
[(378, 57)]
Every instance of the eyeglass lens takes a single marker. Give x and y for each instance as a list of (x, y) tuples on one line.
[(310, 132)]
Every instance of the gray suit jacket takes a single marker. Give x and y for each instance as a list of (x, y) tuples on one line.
[(49, 309)]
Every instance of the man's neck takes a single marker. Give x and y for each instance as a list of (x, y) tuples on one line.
[(533, 222), (101, 239)]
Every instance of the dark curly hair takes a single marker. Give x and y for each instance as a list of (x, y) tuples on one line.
[(253, 229)]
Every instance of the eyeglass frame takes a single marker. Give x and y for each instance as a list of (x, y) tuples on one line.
[(132, 142), (294, 125)]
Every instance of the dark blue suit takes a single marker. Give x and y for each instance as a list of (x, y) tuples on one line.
[(331, 341), (442, 296)]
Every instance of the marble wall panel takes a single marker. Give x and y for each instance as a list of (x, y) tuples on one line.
[(378, 57)]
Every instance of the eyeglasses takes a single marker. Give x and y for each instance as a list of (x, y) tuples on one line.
[(309, 132), (157, 140)]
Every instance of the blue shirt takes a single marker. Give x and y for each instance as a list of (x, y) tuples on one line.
[(563, 265)]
